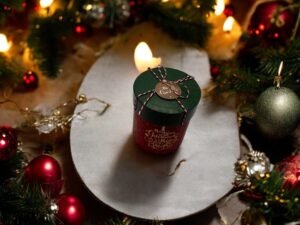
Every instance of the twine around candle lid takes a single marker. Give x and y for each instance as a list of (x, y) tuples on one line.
[(169, 90)]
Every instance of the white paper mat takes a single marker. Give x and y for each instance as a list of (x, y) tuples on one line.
[(134, 182)]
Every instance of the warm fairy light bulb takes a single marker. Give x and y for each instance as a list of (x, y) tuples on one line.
[(4, 43), (46, 3), (228, 24), (219, 7), (143, 57), (88, 7)]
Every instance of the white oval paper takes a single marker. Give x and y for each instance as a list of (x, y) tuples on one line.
[(134, 182)]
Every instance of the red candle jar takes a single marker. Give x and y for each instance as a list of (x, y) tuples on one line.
[(165, 100)]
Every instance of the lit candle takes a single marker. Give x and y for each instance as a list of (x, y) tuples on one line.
[(46, 3), (4, 43), (224, 39), (143, 57), (228, 24)]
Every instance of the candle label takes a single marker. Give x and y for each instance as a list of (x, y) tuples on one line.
[(168, 90), (160, 139)]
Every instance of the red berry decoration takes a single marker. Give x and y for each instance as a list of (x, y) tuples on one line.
[(229, 10), (272, 21), (30, 82), (46, 171), (8, 142), (80, 29), (70, 210), (214, 71)]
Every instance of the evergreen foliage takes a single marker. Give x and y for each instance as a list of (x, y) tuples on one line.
[(278, 201), (254, 69), (46, 41), (10, 71), (187, 23), (21, 204)]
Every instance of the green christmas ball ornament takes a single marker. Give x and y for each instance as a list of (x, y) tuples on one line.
[(277, 112)]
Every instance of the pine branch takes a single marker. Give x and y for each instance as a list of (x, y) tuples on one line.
[(129, 221), (15, 4), (282, 201), (24, 205), (254, 69), (11, 166), (187, 23), (118, 222), (10, 71), (46, 40)]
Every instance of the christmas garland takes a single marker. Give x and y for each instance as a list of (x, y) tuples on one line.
[(48, 31), (272, 37), (254, 76), (264, 78), (30, 189), (272, 192)]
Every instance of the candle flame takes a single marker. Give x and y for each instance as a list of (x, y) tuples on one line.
[(46, 3), (228, 24), (4, 43), (280, 68), (143, 57), (219, 7)]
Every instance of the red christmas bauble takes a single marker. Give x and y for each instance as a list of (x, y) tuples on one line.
[(46, 171), (290, 168), (8, 142), (272, 21), (30, 82), (229, 10), (70, 210)]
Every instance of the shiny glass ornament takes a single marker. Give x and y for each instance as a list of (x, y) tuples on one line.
[(277, 112), (70, 210)]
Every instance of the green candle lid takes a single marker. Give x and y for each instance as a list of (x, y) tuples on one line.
[(166, 96)]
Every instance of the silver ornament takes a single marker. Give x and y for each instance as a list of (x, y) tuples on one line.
[(277, 112), (95, 13), (54, 207), (252, 164)]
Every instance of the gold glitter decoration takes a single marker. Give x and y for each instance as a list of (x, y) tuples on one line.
[(58, 118), (253, 217)]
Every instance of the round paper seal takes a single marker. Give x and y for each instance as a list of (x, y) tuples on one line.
[(168, 90)]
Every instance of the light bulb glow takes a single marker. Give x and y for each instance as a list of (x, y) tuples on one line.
[(219, 7), (46, 3), (4, 43)]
